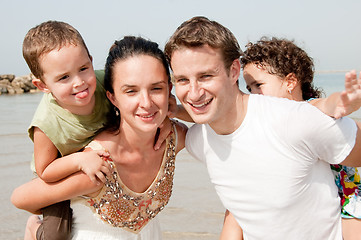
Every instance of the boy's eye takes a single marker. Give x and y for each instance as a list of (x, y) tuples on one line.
[(258, 85), (83, 69), (63, 77)]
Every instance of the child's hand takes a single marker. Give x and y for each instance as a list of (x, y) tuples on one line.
[(350, 98), (93, 165), (165, 130)]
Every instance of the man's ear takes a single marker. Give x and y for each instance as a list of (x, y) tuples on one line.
[(40, 85), (291, 81), (235, 70)]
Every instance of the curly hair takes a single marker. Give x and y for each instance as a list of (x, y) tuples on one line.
[(282, 57)]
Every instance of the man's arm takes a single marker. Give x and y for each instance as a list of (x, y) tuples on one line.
[(354, 158), (50, 168), (343, 103)]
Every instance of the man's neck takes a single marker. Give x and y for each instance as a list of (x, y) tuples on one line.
[(234, 115)]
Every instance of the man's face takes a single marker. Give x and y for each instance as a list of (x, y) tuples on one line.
[(202, 83)]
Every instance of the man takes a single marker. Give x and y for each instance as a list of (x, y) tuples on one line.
[(268, 158)]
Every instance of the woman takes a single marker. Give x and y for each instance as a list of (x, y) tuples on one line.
[(139, 185)]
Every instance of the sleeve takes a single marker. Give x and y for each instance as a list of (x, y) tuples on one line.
[(319, 136), (194, 142)]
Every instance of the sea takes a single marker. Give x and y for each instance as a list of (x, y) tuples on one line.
[(194, 211)]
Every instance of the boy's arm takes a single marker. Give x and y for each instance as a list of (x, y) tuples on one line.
[(231, 230), (37, 194), (50, 168), (344, 103)]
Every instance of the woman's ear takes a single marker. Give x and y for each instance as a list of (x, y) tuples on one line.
[(291, 81), (111, 98), (41, 85)]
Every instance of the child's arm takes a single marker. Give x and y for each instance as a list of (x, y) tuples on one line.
[(50, 168), (231, 230), (344, 103)]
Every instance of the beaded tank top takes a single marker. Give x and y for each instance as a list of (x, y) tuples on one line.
[(119, 206)]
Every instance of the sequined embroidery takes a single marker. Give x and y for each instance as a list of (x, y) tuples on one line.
[(118, 206)]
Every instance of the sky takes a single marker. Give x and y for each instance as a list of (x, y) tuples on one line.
[(329, 30)]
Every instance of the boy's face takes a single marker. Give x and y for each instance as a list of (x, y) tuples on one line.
[(259, 81), (141, 92), (69, 76), (203, 84)]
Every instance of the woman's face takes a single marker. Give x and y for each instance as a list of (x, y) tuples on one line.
[(141, 92)]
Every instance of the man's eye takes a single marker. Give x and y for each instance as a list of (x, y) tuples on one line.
[(181, 80)]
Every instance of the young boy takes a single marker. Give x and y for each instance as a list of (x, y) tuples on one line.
[(67, 118)]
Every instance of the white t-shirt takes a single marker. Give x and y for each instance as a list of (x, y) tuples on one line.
[(273, 172)]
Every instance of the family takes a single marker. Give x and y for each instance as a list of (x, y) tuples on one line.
[(282, 165)]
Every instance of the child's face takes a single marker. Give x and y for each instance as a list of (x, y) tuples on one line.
[(259, 81), (141, 92), (69, 76)]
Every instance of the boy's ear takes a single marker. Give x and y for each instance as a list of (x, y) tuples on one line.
[(40, 85), (291, 81)]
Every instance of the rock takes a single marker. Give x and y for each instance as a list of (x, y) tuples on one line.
[(10, 77), (11, 84)]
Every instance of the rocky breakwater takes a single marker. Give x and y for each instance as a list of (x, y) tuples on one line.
[(10, 84)]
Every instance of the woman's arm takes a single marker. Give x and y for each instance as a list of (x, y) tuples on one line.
[(181, 134), (231, 230), (36, 194)]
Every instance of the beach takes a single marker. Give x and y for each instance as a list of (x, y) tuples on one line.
[(194, 211)]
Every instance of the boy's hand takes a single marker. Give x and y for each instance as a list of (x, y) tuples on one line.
[(165, 130), (93, 165), (350, 98)]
